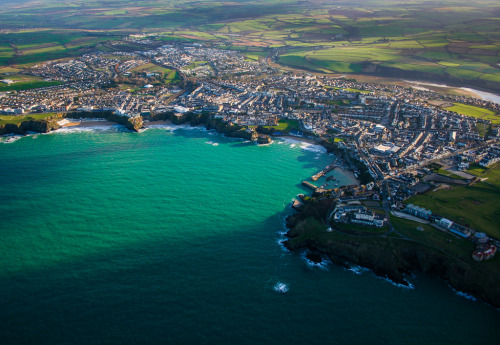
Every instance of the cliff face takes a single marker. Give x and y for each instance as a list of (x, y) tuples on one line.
[(134, 123), (38, 126), (231, 130), (393, 258), (264, 139)]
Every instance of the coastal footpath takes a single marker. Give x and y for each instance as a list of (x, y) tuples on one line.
[(389, 255)]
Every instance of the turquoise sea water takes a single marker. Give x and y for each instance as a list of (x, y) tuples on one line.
[(171, 236)]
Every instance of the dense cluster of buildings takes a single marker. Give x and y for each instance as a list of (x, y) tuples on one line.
[(390, 132)]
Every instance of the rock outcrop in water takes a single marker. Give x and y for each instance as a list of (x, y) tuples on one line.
[(391, 257), (134, 123), (264, 139)]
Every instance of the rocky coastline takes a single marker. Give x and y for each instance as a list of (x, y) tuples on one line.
[(389, 257)]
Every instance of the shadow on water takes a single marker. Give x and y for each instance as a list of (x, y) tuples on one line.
[(218, 285), (214, 286), (124, 294)]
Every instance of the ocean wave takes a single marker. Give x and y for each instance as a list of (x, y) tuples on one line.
[(410, 286), (281, 243), (358, 270), (312, 147), (321, 265), (463, 294), (304, 145), (9, 139), (212, 143), (172, 127), (76, 129), (169, 128), (281, 287)]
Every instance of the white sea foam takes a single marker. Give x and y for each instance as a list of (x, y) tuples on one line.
[(281, 243), (322, 265), (410, 286), (463, 294), (358, 269), (312, 147), (77, 129), (9, 139), (466, 296), (169, 128), (212, 143), (304, 145), (281, 287)]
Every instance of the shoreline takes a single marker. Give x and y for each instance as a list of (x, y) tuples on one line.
[(340, 168), (85, 124), (99, 122)]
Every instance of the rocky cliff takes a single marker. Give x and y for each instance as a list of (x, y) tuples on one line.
[(134, 123), (264, 139), (235, 131), (390, 256), (38, 126)]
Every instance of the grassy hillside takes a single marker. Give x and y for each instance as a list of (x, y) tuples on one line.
[(453, 40), (477, 206)]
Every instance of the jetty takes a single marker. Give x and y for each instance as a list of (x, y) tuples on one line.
[(324, 171), (309, 185)]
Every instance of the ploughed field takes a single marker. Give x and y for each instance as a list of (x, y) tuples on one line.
[(455, 42)]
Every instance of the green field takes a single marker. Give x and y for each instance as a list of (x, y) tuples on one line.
[(28, 47), (480, 113), (285, 125), (17, 119), (477, 206), (28, 85), (430, 236), (459, 41)]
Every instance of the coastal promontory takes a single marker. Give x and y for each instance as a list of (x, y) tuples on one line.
[(394, 255)]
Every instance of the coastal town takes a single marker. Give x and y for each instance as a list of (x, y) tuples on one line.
[(399, 141)]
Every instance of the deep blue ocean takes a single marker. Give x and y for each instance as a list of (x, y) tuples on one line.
[(172, 236)]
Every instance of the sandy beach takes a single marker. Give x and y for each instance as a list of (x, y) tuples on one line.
[(88, 124)]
